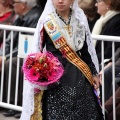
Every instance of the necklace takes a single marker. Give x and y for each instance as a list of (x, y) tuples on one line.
[(67, 22)]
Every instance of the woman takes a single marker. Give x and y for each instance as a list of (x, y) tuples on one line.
[(7, 15), (108, 24), (73, 98)]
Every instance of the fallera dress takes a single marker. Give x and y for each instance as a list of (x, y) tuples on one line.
[(72, 98)]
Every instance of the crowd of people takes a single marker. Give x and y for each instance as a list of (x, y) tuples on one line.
[(96, 17)]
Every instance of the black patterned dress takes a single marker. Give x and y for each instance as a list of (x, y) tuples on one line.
[(73, 97)]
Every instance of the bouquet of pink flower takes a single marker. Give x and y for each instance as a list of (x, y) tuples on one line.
[(42, 69)]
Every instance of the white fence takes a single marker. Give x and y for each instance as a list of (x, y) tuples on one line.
[(31, 30), (12, 29)]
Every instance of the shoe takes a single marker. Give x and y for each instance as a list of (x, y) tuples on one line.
[(9, 113), (17, 115)]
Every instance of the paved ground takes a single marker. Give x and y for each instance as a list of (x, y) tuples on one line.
[(6, 118)]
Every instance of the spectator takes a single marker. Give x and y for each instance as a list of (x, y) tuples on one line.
[(108, 24), (90, 11), (7, 16), (29, 14)]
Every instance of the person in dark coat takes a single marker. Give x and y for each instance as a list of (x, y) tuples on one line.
[(29, 14), (108, 24)]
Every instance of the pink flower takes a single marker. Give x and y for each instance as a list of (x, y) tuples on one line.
[(32, 75), (52, 76)]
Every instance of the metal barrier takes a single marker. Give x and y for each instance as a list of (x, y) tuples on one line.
[(31, 30), (5, 28)]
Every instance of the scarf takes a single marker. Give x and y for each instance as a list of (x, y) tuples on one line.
[(100, 23)]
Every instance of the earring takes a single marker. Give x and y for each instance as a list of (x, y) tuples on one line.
[(107, 8)]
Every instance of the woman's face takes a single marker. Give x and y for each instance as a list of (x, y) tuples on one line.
[(102, 7), (62, 5)]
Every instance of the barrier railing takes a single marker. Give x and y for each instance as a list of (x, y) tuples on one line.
[(112, 39), (31, 30), (13, 29)]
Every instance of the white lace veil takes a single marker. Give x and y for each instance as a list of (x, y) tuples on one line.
[(28, 94), (79, 15)]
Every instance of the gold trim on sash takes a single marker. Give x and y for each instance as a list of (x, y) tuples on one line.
[(37, 115), (60, 43)]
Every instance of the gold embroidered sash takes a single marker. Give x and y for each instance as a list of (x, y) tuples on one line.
[(60, 43)]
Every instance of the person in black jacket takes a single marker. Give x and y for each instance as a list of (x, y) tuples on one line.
[(108, 24), (29, 14)]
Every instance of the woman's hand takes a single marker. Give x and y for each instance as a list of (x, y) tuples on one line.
[(100, 73), (96, 80)]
